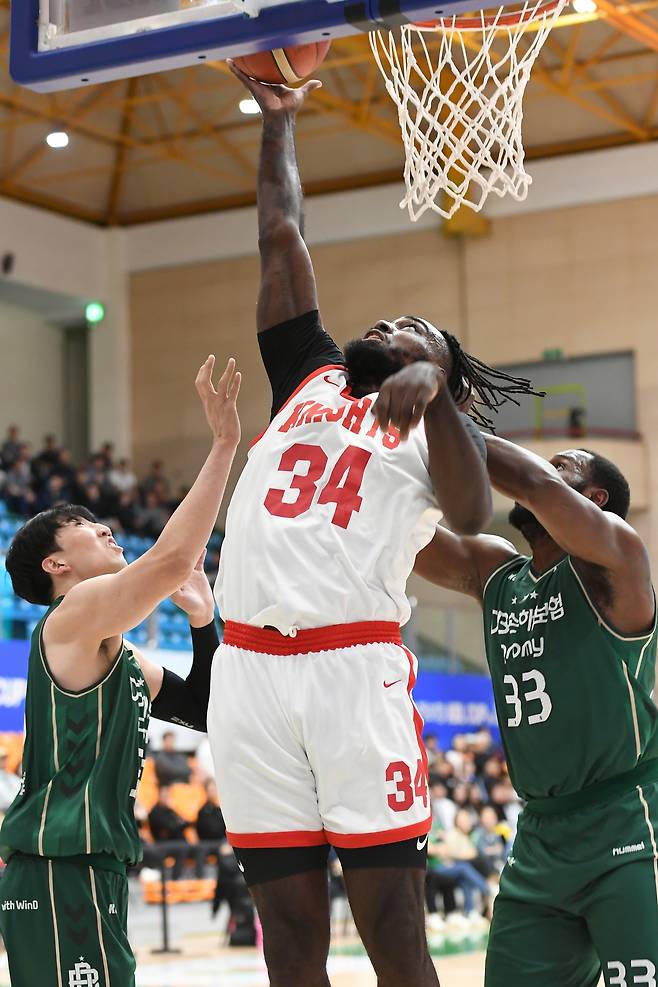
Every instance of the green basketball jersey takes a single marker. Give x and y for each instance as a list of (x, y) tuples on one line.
[(83, 758), (573, 697)]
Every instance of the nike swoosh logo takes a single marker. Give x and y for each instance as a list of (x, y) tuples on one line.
[(240, 865), (330, 381), (421, 844), (387, 685)]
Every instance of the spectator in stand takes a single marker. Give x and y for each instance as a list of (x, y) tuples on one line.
[(53, 493), (462, 872), (152, 517), (492, 773), (489, 842), (96, 471), (443, 770), (168, 830), (171, 765), (96, 501), (126, 511), (483, 748), (19, 494), (432, 748), (121, 477), (10, 447), (44, 463), (156, 478), (506, 803), (210, 825), (444, 809), (106, 453), (65, 469), (10, 783)]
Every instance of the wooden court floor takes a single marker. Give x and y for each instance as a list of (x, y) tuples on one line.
[(245, 968)]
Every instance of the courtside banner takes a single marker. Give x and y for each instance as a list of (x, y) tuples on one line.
[(452, 704), (13, 684)]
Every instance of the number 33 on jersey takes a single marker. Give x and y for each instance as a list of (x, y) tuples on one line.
[(324, 483)]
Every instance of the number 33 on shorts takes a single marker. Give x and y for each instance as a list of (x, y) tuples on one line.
[(640, 972)]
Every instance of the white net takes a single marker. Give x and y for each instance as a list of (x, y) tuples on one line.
[(459, 87)]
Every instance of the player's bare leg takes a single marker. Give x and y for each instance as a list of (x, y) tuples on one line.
[(294, 914), (388, 905)]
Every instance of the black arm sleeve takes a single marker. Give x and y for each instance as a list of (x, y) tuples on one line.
[(292, 350), (185, 701)]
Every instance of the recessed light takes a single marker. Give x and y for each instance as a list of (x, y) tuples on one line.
[(249, 106), (57, 139), (584, 6)]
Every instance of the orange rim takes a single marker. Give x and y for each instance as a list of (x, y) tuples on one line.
[(512, 19)]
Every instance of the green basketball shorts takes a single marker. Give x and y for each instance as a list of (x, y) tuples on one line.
[(64, 924), (579, 894)]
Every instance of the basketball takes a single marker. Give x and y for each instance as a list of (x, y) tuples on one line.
[(285, 66)]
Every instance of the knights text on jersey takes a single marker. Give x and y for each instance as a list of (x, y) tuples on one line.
[(327, 516)]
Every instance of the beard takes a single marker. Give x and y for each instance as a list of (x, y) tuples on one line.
[(525, 521), (368, 363)]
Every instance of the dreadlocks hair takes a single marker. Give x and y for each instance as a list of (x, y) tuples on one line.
[(492, 387)]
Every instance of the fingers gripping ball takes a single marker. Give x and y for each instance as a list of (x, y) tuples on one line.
[(286, 66)]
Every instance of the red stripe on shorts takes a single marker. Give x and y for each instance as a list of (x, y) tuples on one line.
[(418, 720), (271, 642), (254, 841), (356, 840)]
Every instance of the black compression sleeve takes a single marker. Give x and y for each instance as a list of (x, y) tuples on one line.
[(185, 701), (293, 350)]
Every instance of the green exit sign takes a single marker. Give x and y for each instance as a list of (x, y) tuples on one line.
[(553, 354)]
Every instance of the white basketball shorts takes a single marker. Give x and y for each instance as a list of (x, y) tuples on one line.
[(316, 738)]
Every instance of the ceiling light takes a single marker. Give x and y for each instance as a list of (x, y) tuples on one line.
[(584, 6), (57, 139), (249, 106)]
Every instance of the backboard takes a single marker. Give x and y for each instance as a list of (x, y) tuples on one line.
[(63, 44)]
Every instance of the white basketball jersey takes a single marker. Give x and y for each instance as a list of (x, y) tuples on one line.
[(328, 515)]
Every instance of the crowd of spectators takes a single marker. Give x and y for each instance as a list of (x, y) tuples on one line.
[(474, 815), (31, 482)]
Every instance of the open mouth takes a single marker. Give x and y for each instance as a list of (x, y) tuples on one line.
[(376, 334), (111, 542)]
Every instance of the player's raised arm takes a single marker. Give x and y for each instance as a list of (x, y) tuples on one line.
[(104, 606), (287, 287), (462, 564), (456, 450), (580, 522), (178, 700)]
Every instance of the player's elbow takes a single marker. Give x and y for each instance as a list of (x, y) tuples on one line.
[(471, 519), (278, 233), (172, 568)]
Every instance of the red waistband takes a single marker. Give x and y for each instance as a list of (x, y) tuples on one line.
[(271, 642)]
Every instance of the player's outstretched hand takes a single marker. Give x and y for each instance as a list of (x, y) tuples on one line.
[(271, 98), (404, 396), (195, 596), (220, 404)]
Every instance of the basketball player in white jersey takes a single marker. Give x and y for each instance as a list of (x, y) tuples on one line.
[(315, 736)]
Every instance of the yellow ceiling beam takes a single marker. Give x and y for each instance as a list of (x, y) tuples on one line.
[(120, 156), (631, 21)]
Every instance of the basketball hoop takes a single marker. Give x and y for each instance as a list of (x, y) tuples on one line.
[(458, 84)]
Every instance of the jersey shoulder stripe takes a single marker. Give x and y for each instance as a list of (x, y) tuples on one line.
[(304, 383)]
